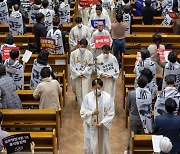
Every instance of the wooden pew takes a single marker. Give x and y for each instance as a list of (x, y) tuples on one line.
[(141, 144), (27, 120), (157, 20), (44, 141)]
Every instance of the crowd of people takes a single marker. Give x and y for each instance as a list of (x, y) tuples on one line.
[(96, 42)]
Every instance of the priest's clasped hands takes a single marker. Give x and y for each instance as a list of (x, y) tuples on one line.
[(96, 112), (106, 76)]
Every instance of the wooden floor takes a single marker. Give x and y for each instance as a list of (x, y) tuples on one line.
[(72, 138)]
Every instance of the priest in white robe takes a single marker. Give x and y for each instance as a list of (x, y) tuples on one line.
[(77, 33), (81, 70), (84, 13), (100, 16), (64, 10), (108, 71), (16, 21), (89, 114), (99, 32), (49, 14)]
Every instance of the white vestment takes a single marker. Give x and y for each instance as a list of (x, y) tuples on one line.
[(147, 63), (48, 18), (64, 10), (93, 10), (172, 68), (106, 114), (79, 64), (110, 67), (102, 16), (84, 14), (4, 15), (168, 92), (16, 23), (76, 34), (97, 52), (127, 19), (58, 38), (109, 6)]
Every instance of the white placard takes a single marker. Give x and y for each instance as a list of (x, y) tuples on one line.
[(60, 62), (155, 142), (26, 56)]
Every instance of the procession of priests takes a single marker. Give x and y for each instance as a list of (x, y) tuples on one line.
[(97, 42)]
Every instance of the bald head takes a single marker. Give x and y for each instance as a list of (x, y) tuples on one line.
[(100, 26)]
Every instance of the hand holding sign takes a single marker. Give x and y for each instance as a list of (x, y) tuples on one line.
[(87, 3), (101, 40)]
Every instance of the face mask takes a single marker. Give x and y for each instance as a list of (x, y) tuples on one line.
[(79, 25), (106, 55), (98, 92)]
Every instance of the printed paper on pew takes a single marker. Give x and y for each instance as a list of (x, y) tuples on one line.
[(155, 142), (26, 56), (60, 62)]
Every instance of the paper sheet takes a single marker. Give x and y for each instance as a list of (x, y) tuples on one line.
[(26, 56), (60, 62), (155, 142)]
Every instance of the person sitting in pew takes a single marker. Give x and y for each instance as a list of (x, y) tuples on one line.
[(139, 103), (15, 69), (8, 95), (48, 91), (169, 92), (40, 62), (152, 86), (8, 42), (145, 62), (148, 13), (169, 125)]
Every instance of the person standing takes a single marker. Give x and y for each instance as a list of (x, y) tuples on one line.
[(108, 71), (89, 113), (118, 30), (8, 95), (169, 125), (39, 31), (49, 97), (80, 70)]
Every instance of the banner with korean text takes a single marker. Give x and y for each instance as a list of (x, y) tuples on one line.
[(101, 40)]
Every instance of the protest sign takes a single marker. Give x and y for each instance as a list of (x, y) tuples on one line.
[(101, 40), (163, 53), (6, 52), (48, 44), (16, 143), (87, 3), (94, 23)]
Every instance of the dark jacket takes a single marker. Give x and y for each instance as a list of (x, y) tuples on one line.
[(148, 15), (39, 31), (169, 125)]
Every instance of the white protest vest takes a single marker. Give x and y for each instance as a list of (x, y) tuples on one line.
[(16, 23), (58, 38), (168, 92), (106, 4), (64, 10), (167, 20), (144, 106), (127, 19), (152, 87), (32, 16), (3, 12), (166, 6)]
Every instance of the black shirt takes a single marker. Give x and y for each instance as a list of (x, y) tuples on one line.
[(39, 31), (148, 15)]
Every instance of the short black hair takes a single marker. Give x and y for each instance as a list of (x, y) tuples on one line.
[(2, 70), (99, 7), (157, 38), (127, 9), (78, 20), (170, 79), (148, 2), (14, 54), (172, 57), (45, 3), (170, 105), (83, 42), (106, 47), (39, 17), (9, 39), (148, 74), (43, 57), (119, 17), (16, 7), (142, 81), (126, 1), (97, 81), (145, 53), (45, 72), (1, 116)]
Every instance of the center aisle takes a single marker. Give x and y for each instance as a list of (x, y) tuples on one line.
[(72, 135)]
